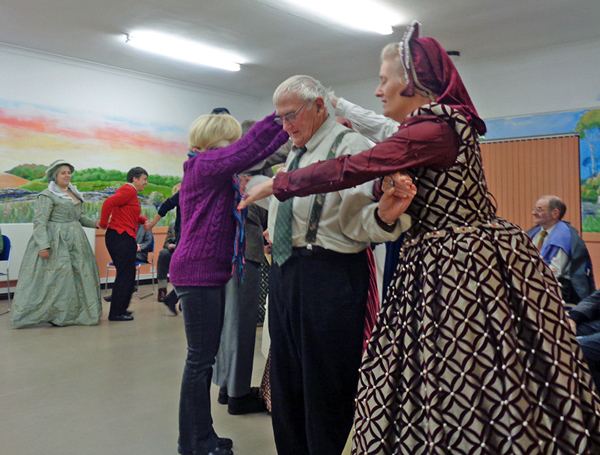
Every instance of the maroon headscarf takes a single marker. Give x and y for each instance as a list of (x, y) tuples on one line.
[(429, 70)]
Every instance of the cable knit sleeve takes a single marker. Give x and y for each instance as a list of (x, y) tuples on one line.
[(263, 139)]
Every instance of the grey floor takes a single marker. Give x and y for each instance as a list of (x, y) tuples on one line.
[(111, 389)]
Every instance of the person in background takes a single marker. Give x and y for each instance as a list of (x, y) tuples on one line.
[(1, 242), (211, 244), (585, 322), (124, 211), (144, 242), (164, 259), (220, 111), (58, 279), (371, 125), (377, 128), (472, 351), (234, 362), (562, 249)]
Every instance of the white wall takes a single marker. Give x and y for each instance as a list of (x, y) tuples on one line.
[(49, 80)]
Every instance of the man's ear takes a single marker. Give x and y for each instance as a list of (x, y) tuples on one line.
[(320, 104)]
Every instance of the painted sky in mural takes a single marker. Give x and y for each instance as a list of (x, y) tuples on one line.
[(37, 134)]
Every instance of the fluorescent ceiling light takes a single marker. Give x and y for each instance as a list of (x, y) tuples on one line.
[(367, 15), (182, 49)]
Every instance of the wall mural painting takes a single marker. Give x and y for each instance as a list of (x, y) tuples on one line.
[(587, 125), (102, 149)]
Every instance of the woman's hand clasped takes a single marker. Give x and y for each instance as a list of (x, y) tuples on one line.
[(398, 193), (44, 254)]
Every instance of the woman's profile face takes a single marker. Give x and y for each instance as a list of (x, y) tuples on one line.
[(395, 106), (63, 176)]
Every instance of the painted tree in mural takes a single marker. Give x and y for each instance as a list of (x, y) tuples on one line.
[(588, 128)]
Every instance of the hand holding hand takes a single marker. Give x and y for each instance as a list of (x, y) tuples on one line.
[(266, 236), (148, 225), (402, 184), (260, 191), (390, 206)]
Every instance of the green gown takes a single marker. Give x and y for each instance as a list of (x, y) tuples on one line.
[(65, 288)]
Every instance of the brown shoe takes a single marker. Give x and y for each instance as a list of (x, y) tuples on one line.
[(162, 293)]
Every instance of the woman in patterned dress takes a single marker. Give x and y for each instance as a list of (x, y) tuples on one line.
[(472, 352)]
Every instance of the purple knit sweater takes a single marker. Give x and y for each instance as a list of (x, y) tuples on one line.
[(205, 250)]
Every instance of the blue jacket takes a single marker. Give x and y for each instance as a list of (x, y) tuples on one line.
[(581, 273)]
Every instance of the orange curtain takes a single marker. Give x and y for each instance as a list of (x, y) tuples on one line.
[(519, 171)]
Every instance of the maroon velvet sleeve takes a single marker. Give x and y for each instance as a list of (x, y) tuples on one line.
[(423, 141)]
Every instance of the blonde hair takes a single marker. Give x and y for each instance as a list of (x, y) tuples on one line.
[(211, 131)]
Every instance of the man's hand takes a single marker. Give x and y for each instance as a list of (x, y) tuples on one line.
[(260, 191), (139, 248), (269, 245), (171, 246), (573, 325)]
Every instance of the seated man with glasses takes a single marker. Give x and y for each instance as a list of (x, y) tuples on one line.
[(562, 249), (319, 280)]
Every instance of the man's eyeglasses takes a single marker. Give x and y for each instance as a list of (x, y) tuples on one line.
[(289, 117)]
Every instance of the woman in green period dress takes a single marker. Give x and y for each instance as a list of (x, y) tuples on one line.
[(58, 279)]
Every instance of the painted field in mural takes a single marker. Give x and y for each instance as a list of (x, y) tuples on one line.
[(100, 148), (587, 124)]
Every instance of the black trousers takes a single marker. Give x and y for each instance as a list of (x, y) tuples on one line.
[(316, 320), (122, 249)]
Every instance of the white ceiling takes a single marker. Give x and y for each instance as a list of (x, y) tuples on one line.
[(278, 44)]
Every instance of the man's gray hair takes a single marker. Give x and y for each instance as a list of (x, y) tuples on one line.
[(554, 202), (305, 87)]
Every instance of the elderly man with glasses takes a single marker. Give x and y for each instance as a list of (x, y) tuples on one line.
[(562, 249), (320, 279)]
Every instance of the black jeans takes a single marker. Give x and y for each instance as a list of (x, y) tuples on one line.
[(122, 249), (162, 265), (203, 309)]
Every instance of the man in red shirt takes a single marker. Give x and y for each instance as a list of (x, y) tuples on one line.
[(124, 211)]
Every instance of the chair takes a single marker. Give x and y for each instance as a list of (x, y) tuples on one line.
[(5, 256), (138, 266)]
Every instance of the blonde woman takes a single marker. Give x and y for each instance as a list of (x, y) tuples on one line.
[(211, 239)]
